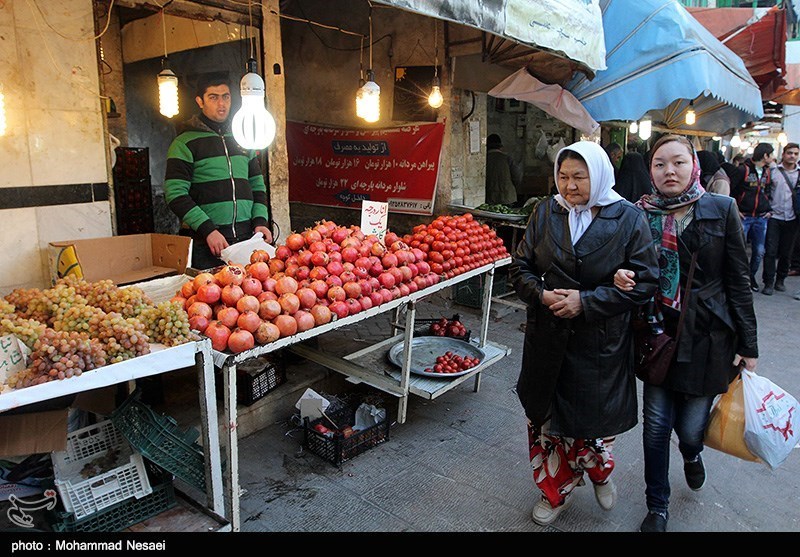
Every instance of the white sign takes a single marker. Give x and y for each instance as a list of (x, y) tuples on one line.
[(12, 357), (374, 218), (474, 136)]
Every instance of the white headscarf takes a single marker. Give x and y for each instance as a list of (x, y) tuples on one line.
[(601, 176)]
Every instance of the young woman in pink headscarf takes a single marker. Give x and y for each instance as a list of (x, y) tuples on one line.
[(576, 383)]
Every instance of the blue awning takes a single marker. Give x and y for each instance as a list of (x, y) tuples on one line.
[(660, 58)]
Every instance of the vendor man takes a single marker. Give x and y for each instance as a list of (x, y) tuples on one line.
[(213, 185)]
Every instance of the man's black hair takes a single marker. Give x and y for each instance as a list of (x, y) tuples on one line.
[(206, 80), (613, 148), (761, 150)]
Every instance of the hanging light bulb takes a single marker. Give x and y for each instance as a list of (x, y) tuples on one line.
[(167, 91), (645, 129), (782, 139), (435, 99), (736, 141), (745, 145), (360, 100), (634, 127), (691, 117), (253, 126), (167, 80), (2, 113), (369, 98)]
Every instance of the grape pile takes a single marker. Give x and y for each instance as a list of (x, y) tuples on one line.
[(77, 326), (61, 355), (123, 338), (168, 324)]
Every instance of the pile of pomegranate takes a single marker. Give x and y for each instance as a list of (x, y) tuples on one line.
[(328, 272)]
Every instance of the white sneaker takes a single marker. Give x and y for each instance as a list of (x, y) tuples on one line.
[(606, 494), (544, 514)]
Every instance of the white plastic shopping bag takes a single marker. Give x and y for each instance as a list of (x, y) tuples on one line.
[(770, 430), (541, 146), (240, 253)]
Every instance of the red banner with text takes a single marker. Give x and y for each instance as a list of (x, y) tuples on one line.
[(340, 167)]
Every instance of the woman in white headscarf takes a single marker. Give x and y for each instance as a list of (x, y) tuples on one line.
[(577, 385)]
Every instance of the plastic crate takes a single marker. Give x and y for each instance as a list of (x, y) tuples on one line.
[(135, 221), (257, 377), (85, 496), (132, 163), (470, 292), (338, 448), (424, 328), (133, 194), (127, 513), (158, 438)]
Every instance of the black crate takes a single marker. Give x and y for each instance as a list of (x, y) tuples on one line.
[(337, 448), (424, 328), (257, 377), (470, 292), (133, 194), (132, 163), (135, 221), (126, 513)]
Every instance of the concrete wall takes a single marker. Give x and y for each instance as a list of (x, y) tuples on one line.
[(55, 136)]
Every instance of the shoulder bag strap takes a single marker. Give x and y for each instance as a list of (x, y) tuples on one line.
[(789, 182), (685, 302)]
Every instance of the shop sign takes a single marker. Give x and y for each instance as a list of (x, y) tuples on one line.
[(341, 167)]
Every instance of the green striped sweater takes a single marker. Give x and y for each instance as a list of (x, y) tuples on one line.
[(203, 167)]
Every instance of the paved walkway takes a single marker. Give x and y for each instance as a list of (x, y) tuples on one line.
[(459, 463)]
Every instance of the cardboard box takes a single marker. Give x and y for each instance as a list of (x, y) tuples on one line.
[(37, 432), (123, 259)]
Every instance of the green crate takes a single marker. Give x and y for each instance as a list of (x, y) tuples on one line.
[(470, 292), (158, 438), (126, 513)]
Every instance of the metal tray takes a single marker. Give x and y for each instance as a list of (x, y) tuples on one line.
[(510, 217), (425, 350)]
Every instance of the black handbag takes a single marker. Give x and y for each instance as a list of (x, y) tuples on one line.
[(654, 352)]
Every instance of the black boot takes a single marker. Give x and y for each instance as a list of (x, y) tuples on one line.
[(768, 290), (779, 286), (753, 284)]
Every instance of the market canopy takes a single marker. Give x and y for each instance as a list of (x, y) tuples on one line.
[(554, 39), (659, 60), (757, 36), (552, 98)]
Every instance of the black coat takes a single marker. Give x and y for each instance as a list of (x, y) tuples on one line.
[(579, 372), (720, 321)]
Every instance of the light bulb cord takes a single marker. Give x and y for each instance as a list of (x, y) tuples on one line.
[(252, 39), (164, 29), (435, 50), (370, 36)]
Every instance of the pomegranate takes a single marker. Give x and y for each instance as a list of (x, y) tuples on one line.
[(364, 262), (318, 246), (335, 268), (376, 298), (390, 238), (321, 314), (192, 299), (289, 302), (310, 236), (199, 323), (231, 274), (276, 266), (352, 289), (282, 252), (389, 260), (286, 285), (404, 290), (267, 296), (366, 302), (209, 293), (376, 269), (269, 309), (305, 320), (259, 270), (353, 306), (348, 276), (228, 316), (349, 254), (240, 340), (218, 333), (334, 280), (339, 308), (320, 288), (339, 234), (423, 266), (287, 325), (397, 274), (176, 299), (334, 254), (386, 279), (187, 290), (336, 294), (318, 273), (320, 258), (295, 242), (269, 284), (304, 258), (387, 296), (249, 321), (302, 273), (259, 256), (366, 287), (252, 286), (267, 332), (201, 279), (200, 308), (231, 294), (307, 297), (247, 303)]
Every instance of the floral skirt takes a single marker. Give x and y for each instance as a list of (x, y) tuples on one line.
[(558, 463)]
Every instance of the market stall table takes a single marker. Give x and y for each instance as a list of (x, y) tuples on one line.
[(398, 383)]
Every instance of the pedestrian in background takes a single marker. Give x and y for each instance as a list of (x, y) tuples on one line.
[(782, 225), (751, 192), (721, 325), (712, 177), (502, 174), (633, 180), (576, 384)]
